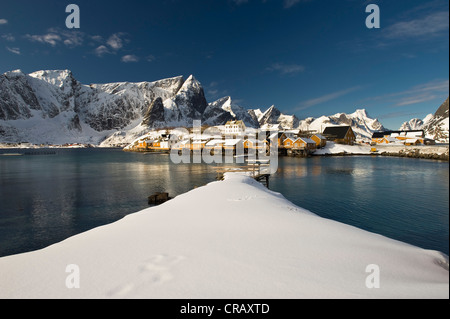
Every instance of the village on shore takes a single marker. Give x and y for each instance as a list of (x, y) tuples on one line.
[(235, 138), (235, 135)]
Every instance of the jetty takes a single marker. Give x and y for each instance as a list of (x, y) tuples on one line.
[(257, 169)]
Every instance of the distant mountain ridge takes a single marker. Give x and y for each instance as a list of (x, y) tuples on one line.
[(51, 106)]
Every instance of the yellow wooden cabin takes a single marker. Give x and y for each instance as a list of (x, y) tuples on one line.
[(255, 144), (304, 143), (287, 143), (320, 140)]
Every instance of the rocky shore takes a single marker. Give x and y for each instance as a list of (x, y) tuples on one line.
[(426, 152)]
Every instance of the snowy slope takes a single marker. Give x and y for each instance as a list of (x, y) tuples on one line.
[(242, 242), (52, 107), (272, 117), (436, 126), (225, 109), (362, 124)]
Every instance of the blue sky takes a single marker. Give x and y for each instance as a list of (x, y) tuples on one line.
[(306, 57)]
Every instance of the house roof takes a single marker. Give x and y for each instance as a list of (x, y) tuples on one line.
[(306, 140), (215, 142), (291, 139), (336, 131), (320, 136), (232, 142), (239, 122), (411, 133)]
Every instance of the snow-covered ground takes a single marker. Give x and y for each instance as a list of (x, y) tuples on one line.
[(232, 239), (334, 148), (423, 149)]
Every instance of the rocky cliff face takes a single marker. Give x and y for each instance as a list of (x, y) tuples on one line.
[(436, 126), (225, 109), (413, 124), (51, 106)]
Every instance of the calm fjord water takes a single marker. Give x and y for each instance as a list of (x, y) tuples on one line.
[(45, 199)]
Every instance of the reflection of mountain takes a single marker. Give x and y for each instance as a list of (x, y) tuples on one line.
[(436, 126)]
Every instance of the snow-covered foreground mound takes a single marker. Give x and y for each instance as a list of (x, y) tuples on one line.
[(229, 239)]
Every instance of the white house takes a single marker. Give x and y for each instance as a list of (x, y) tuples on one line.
[(235, 128)]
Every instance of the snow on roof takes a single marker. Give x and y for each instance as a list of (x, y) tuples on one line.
[(215, 142), (320, 136), (232, 142), (413, 134), (307, 140)]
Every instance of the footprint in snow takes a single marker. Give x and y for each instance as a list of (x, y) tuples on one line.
[(153, 271)]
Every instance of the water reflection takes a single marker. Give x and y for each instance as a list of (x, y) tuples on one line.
[(47, 199), (405, 199)]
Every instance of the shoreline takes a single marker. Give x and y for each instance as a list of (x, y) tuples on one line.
[(242, 241), (435, 152), (437, 157)]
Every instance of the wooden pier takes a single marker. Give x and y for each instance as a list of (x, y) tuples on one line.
[(257, 169)]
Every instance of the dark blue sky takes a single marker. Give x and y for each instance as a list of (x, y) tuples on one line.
[(307, 57)]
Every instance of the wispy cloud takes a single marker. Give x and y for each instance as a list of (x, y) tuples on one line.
[(290, 3), (117, 40), (74, 38), (101, 51), (13, 50), (393, 115), (49, 38), (130, 58), (417, 94), (3, 21), (326, 98), (432, 25), (286, 68), (8, 37), (55, 36)]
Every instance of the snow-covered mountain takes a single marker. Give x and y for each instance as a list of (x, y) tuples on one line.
[(53, 107), (226, 109), (436, 126), (273, 116), (362, 124), (413, 124)]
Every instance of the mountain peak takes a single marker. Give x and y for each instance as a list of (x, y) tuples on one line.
[(54, 77), (361, 113), (14, 73), (443, 110)]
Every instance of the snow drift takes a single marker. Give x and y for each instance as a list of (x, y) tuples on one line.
[(229, 239)]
